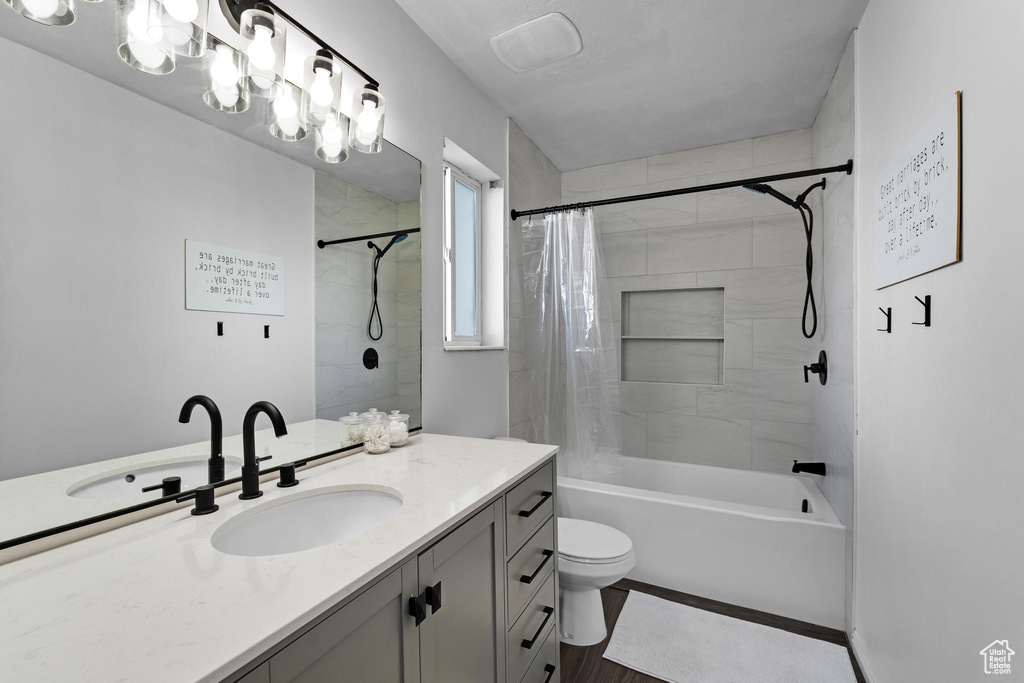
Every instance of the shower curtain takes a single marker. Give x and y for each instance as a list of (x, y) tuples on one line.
[(570, 346)]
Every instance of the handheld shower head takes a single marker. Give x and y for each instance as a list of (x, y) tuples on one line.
[(761, 188)]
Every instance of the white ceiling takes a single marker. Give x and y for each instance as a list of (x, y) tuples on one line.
[(654, 76)]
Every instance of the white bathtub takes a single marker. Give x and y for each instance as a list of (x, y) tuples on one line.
[(732, 535)]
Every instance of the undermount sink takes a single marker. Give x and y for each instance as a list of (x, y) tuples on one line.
[(125, 483), (306, 520)]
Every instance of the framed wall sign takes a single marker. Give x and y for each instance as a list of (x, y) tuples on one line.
[(917, 202), (231, 280)]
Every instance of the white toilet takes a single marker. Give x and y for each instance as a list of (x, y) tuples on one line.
[(591, 556)]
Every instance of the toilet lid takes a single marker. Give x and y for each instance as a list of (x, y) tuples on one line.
[(580, 539)]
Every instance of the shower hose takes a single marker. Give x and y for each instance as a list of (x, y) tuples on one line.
[(375, 309)]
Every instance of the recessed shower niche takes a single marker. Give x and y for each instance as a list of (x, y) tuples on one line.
[(673, 335)]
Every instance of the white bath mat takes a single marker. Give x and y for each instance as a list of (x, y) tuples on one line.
[(683, 644)]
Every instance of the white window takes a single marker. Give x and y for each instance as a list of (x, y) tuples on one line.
[(462, 248)]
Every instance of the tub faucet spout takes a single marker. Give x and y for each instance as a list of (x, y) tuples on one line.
[(809, 467)]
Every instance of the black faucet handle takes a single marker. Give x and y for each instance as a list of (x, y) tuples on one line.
[(265, 457), (170, 486), (205, 497), (288, 476)]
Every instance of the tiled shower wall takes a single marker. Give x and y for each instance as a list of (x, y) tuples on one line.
[(533, 181), (760, 417), (343, 298), (834, 408)]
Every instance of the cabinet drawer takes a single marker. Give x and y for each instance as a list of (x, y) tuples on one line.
[(527, 506), (545, 669), (528, 634), (529, 567)]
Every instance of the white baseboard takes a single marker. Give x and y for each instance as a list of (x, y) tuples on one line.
[(858, 652)]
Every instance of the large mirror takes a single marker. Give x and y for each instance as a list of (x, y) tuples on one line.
[(152, 249)]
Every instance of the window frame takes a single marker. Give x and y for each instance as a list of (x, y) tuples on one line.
[(452, 174)]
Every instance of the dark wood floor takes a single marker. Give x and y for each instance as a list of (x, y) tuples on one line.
[(587, 665)]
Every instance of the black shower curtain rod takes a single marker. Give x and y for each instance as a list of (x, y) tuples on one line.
[(844, 168), (322, 244)]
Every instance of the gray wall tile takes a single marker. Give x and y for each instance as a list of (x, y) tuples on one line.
[(674, 313), (707, 246), (700, 440), (694, 162), (658, 397), (624, 254)]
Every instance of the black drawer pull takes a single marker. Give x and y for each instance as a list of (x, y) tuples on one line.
[(418, 607), (434, 597), (528, 644), (549, 669), (529, 579), (543, 499)]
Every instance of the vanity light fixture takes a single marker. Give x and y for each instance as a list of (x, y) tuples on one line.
[(48, 12), (287, 114), (264, 37), (366, 134), (137, 45), (180, 25), (322, 86), (223, 67), (331, 139)]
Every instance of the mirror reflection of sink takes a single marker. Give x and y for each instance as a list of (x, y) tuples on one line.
[(127, 483), (306, 520)]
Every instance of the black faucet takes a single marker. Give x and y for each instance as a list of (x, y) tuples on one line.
[(251, 466), (215, 467), (809, 467)]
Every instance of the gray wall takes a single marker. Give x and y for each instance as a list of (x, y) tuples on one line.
[(533, 181), (760, 417), (99, 189), (833, 407), (343, 299)]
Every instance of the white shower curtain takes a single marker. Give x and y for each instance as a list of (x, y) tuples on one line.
[(570, 346)]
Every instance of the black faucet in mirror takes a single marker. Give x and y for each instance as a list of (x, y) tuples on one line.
[(251, 466), (216, 463), (809, 467)]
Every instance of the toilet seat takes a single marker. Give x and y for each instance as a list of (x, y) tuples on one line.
[(588, 542)]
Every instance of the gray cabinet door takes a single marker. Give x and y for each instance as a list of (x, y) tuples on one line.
[(372, 638), (464, 641)]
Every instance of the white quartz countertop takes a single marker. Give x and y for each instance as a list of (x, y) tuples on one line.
[(154, 601), (41, 501)]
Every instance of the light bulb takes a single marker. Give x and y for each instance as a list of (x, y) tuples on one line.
[(286, 112), (223, 71), (141, 42), (42, 9), (227, 97), (321, 91), (330, 135), (366, 123), (182, 10), (178, 32), (261, 51)]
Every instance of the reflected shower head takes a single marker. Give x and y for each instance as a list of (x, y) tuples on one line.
[(394, 240)]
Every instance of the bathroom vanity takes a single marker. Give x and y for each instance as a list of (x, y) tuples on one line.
[(459, 583)]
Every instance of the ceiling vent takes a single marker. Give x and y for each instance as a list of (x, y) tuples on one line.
[(538, 42)]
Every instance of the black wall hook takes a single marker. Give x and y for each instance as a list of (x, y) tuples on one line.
[(927, 303), (887, 312)]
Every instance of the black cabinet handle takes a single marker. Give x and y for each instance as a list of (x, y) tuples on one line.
[(418, 607), (543, 499), (529, 579), (433, 594), (528, 644), (549, 669)]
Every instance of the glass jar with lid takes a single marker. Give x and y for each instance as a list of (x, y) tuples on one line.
[(376, 433), (351, 429), (399, 428)]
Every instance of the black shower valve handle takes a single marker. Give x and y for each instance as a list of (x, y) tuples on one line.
[(820, 369)]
